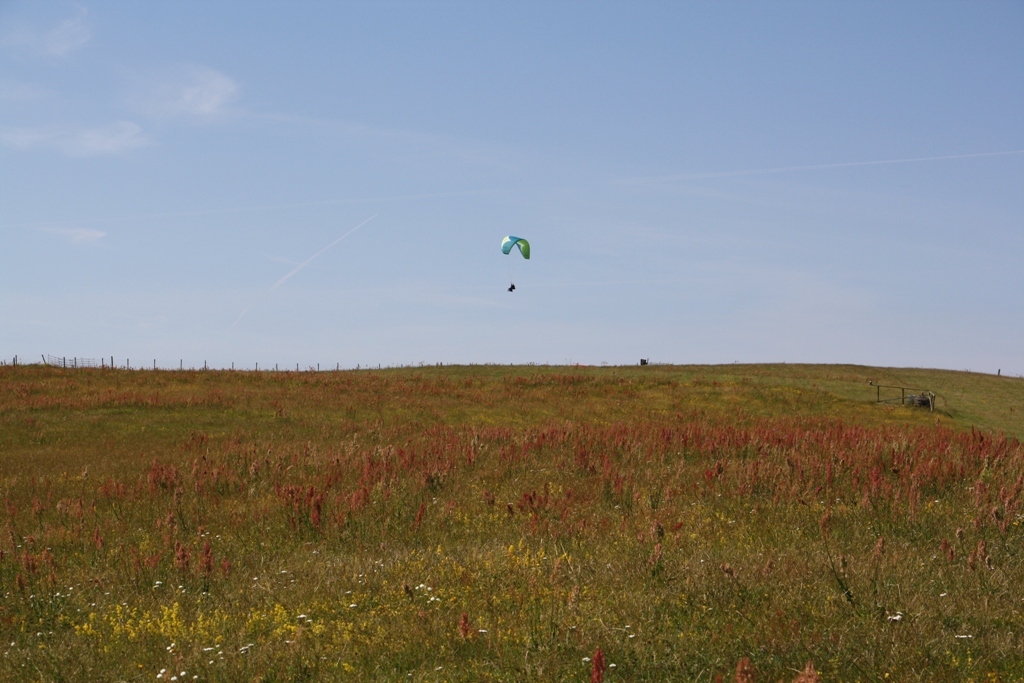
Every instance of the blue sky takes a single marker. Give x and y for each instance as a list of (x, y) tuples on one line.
[(700, 182)]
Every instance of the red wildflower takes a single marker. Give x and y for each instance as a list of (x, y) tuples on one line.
[(598, 668)]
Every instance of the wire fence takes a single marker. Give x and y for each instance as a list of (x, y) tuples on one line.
[(917, 397), (77, 362), (73, 362), (110, 363)]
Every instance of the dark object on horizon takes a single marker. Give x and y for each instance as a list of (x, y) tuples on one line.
[(645, 361)]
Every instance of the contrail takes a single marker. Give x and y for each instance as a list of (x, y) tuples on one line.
[(786, 169), (302, 265)]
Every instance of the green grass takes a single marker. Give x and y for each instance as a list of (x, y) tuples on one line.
[(337, 526)]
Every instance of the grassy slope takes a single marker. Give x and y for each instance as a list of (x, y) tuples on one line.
[(968, 398), (175, 404), (165, 407), (73, 431)]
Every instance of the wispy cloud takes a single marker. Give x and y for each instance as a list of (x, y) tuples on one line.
[(75, 141), (476, 152), (60, 41), (189, 91), (76, 235), (812, 167), (384, 199), (13, 91)]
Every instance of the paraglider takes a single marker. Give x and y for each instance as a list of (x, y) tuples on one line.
[(507, 245)]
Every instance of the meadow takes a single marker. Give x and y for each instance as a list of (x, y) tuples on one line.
[(499, 523)]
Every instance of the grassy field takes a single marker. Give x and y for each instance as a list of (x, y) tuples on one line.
[(497, 523)]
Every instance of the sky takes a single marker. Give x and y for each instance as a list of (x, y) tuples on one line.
[(303, 183)]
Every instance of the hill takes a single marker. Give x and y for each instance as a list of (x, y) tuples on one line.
[(507, 523)]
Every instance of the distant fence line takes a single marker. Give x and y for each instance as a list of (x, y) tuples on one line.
[(75, 362)]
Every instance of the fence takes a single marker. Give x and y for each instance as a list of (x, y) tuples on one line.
[(919, 397), (74, 362)]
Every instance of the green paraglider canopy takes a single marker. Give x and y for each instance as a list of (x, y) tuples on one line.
[(512, 241)]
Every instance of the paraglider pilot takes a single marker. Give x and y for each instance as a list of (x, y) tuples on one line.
[(518, 242)]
